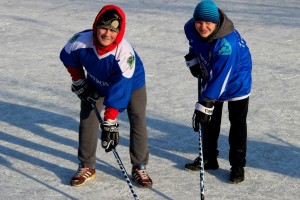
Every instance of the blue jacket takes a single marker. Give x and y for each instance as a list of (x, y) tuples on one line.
[(226, 57), (115, 74)]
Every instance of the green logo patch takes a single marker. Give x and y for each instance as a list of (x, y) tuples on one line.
[(131, 61), (74, 38)]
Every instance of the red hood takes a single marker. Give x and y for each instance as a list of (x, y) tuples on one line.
[(103, 50)]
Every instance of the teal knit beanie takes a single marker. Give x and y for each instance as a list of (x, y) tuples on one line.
[(207, 11)]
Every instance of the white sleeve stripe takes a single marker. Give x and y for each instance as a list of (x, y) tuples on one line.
[(225, 82)]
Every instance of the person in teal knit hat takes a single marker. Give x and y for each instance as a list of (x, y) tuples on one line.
[(221, 59)]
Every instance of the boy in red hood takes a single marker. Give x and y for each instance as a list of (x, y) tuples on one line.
[(105, 67)]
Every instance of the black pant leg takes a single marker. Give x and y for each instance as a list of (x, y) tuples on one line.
[(238, 132), (211, 133)]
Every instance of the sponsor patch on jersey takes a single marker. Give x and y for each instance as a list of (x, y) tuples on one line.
[(131, 61), (226, 48), (74, 38)]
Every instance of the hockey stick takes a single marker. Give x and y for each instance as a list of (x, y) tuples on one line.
[(125, 174), (93, 104), (200, 149), (201, 167)]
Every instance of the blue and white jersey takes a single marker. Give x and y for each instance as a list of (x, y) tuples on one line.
[(115, 74), (228, 61)]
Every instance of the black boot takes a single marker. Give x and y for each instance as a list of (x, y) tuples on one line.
[(211, 164), (237, 175)]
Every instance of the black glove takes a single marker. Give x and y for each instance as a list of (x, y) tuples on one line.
[(192, 62), (202, 114), (197, 70), (84, 91), (110, 135)]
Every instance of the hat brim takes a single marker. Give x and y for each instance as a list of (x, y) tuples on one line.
[(110, 27)]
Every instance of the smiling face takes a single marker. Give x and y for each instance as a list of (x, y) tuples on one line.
[(106, 36), (205, 29)]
